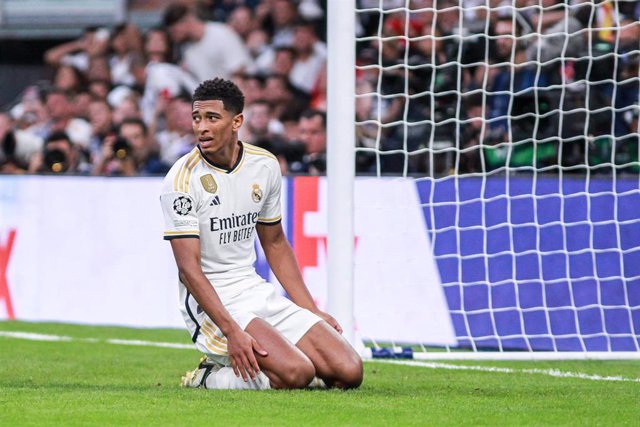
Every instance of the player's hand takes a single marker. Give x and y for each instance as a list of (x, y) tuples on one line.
[(107, 147), (36, 162), (242, 348), (330, 320)]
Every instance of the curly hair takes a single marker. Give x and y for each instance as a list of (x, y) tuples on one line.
[(223, 90)]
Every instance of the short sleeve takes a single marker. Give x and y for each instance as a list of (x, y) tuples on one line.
[(179, 209), (271, 212)]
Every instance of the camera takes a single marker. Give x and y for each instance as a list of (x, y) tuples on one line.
[(8, 147), (56, 160), (121, 148)]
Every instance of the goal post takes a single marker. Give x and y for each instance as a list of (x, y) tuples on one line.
[(516, 123), (341, 160)]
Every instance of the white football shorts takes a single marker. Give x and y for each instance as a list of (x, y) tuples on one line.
[(263, 301)]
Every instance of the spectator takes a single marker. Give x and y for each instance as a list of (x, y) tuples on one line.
[(313, 136), (242, 21), (261, 129), (310, 57), (157, 45), (30, 114), (125, 42), (391, 80), (628, 96), (513, 116), (99, 88), (101, 120), (209, 49), (161, 81), (435, 73), (368, 131), (69, 79), (216, 10), (258, 44), (282, 16), (99, 71), (176, 139), (260, 123), (128, 107), (77, 53), (509, 52), (252, 85), (61, 114), (563, 36), (548, 14), (144, 150), (473, 129), (289, 122), (278, 21), (283, 97), (319, 92), (81, 101), (283, 61)]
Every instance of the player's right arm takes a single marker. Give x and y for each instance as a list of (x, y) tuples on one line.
[(180, 208), (240, 345)]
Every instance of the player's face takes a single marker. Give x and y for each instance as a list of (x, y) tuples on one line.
[(215, 128)]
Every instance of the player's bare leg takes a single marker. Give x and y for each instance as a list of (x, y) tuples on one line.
[(335, 361), (285, 365)]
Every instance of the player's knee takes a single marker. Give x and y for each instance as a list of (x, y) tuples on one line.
[(350, 373), (298, 375)]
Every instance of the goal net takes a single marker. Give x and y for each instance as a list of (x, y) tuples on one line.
[(518, 122)]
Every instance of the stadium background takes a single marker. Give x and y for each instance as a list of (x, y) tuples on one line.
[(512, 257), (496, 294)]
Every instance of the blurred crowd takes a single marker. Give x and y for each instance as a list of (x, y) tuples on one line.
[(118, 102), (530, 84), (440, 89)]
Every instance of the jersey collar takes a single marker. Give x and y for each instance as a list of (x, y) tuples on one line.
[(221, 168)]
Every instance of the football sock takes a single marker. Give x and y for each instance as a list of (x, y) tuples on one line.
[(226, 379)]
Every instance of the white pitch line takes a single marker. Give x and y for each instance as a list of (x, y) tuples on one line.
[(151, 344), (549, 372), (35, 337), (432, 365), (42, 337)]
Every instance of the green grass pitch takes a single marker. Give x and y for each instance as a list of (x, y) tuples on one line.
[(87, 381)]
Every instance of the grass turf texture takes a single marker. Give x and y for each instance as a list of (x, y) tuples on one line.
[(84, 383)]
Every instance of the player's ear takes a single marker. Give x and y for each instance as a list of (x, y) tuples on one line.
[(237, 122)]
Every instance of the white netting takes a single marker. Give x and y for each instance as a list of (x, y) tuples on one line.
[(519, 121)]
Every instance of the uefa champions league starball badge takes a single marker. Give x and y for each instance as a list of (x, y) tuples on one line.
[(182, 205)]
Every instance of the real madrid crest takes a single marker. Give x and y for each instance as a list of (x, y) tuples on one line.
[(208, 183), (256, 194)]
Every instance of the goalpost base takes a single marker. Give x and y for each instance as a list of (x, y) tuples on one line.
[(408, 353)]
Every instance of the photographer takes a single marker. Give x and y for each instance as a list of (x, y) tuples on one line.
[(16, 146), (59, 155), (129, 152)]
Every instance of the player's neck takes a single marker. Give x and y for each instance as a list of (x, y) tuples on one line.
[(226, 156)]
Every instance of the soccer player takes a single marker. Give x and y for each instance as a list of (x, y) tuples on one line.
[(215, 200)]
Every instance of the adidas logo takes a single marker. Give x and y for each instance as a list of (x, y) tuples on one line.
[(215, 201)]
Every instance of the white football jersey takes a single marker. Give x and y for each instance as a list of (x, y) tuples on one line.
[(221, 207)]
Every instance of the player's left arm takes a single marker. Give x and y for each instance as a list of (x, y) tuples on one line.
[(285, 267)]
